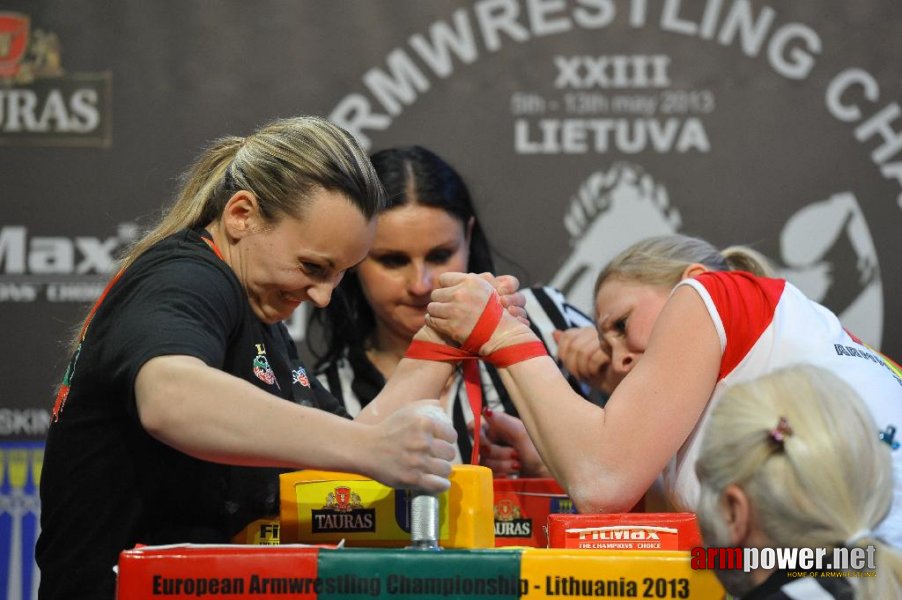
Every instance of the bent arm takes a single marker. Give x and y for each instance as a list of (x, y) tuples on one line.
[(214, 416), (607, 458)]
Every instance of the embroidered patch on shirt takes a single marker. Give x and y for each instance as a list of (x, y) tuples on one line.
[(299, 375), (262, 369)]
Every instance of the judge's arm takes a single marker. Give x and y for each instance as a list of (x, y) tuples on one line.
[(579, 353)]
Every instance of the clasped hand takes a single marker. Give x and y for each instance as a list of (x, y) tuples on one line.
[(457, 305)]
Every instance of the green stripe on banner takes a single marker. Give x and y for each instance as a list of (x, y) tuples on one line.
[(419, 574)]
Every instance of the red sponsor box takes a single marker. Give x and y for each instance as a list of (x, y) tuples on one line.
[(522, 507), (624, 531)]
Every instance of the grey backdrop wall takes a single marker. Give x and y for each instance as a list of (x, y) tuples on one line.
[(581, 126)]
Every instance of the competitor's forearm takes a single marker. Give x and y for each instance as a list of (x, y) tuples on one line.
[(568, 432), (412, 380), (552, 412), (214, 416)]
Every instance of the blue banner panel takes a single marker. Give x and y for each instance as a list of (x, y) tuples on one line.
[(20, 516)]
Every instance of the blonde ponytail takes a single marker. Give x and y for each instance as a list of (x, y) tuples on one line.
[(743, 258), (198, 194)]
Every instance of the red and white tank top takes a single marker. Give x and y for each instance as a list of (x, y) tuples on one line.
[(767, 324)]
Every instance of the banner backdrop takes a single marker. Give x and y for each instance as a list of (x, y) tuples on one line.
[(581, 126)]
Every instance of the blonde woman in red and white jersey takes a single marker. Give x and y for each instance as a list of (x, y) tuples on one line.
[(681, 321)]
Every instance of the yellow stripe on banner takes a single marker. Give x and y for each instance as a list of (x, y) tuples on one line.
[(552, 573)]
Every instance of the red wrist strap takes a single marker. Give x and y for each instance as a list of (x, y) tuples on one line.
[(502, 358), (511, 355), (432, 351), (485, 326), (440, 352), (474, 396), (469, 353)]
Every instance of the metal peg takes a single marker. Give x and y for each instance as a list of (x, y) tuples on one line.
[(424, 522)]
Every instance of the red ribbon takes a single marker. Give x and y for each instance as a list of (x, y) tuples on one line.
[(469, 353)]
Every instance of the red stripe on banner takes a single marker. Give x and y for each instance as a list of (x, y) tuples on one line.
[(189, 572)]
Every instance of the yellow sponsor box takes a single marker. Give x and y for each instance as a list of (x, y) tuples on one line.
[(262, 532), (322, 507), (551, 573)]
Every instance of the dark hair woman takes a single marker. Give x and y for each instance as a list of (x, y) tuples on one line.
[(428, 227)]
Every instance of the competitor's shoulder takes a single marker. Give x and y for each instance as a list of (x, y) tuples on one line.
[(742, 307), (185, 256), (738, 293), (737, 283)]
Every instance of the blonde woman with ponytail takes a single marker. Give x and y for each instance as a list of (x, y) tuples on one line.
[(184, 393), (790, 460), (678, 321)]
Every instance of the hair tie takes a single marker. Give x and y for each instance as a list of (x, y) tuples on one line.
[(779, 433), (858, 536)]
